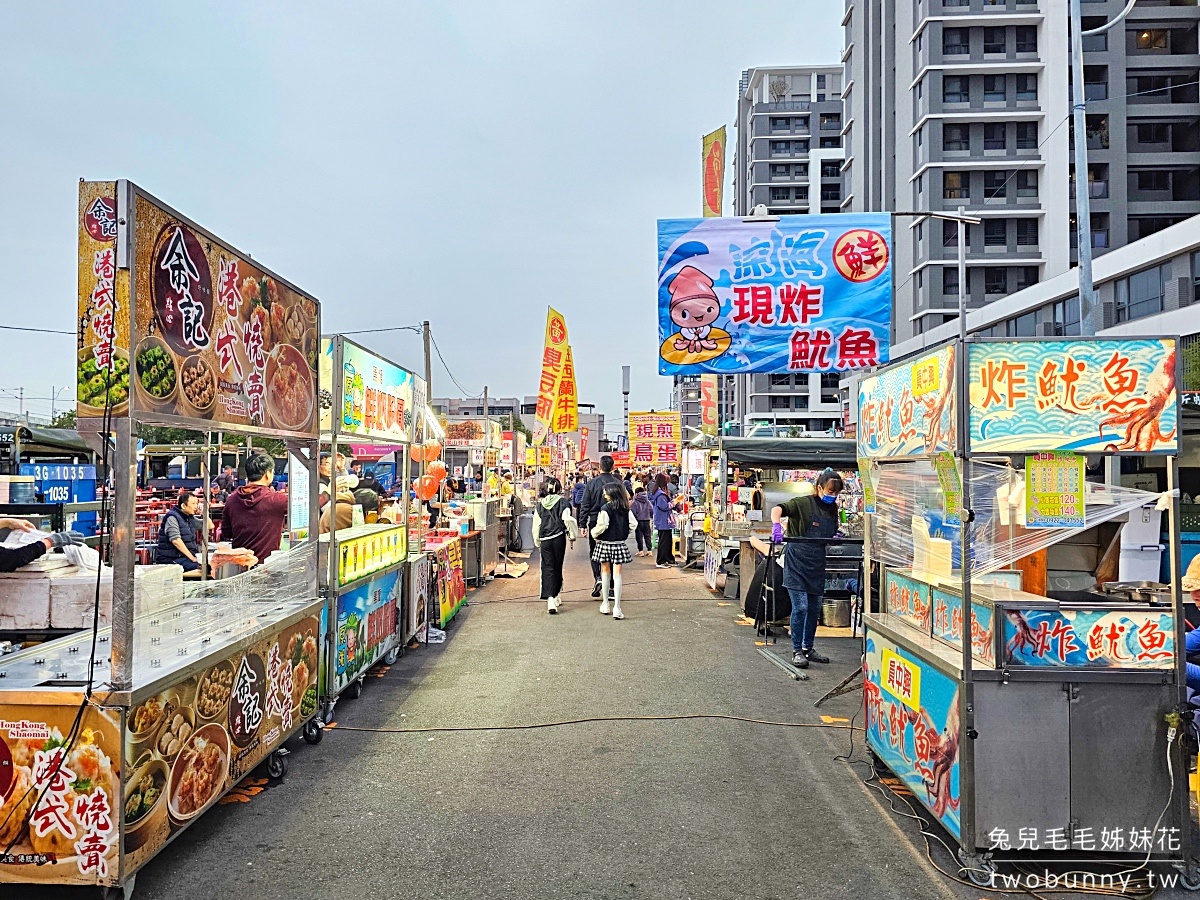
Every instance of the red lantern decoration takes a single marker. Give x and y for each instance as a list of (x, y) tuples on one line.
[(433, 449), (426, 487), (416, 453), (438, 470)]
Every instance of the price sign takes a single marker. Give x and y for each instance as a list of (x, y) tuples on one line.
[(1054, 490)]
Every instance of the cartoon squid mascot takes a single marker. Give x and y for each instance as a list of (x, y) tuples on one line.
[(694, 307)]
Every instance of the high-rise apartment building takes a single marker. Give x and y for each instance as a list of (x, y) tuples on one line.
[(966, 103), (789, 158), (685, 398)]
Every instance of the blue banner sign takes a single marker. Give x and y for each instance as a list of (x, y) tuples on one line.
[(795, 294)]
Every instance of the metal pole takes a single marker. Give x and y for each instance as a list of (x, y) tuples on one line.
[(124, 478), (625, 392), (1083, 200), (967, 840), (962, 275), (205, 474)]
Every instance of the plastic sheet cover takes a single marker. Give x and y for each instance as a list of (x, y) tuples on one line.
[(910, 529)]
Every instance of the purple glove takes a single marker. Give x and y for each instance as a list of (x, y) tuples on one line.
[(777, 533)]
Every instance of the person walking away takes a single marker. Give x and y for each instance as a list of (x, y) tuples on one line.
[(643, 511), (255, 513), (664, 521), (812, 515), (589, 510), (613, 524), (179, 534), (553, 526), (577, 494)]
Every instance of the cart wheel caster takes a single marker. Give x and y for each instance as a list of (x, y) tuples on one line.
[(1190, 881), (979, 870), (277, 765), (313, 730), (118, 893), (354, 689), (389, 658)]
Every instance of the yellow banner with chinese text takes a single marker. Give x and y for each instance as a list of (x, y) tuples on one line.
[(555, 358), (654, 438)]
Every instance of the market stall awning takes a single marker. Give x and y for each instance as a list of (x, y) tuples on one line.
[(31, 437), (785, 453)]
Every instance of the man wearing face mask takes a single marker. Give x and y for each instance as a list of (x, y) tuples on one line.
[(812, 515)]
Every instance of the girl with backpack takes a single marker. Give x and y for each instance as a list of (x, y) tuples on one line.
[(553, 526), (643, 512), (611, 531)]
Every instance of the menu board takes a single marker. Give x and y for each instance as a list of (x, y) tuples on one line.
[(452, 585), (371, 397), (1054, 491), (217, 338), (185, 746), (375, 549)]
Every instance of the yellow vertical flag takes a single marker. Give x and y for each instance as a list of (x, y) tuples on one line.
[(555, 357), (713, 160), (566, 403)]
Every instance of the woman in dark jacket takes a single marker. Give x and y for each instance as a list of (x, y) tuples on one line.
[(663, 521)]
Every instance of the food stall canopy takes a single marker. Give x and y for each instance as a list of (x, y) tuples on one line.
[(42, 440), (788, 452)]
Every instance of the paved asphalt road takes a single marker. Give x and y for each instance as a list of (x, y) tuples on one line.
[(628, 809)]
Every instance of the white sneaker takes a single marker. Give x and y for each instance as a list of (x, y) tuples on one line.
[(605, 607), (552, 605), (617, 614)]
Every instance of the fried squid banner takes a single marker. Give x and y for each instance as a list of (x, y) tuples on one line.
[(795, 294), (1086, 396)]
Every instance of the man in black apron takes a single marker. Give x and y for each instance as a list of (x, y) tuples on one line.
[(810, 516)]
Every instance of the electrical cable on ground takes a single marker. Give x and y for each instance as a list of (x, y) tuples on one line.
[(589, 719)]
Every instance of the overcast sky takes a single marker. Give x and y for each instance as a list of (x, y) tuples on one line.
[(465, 162)]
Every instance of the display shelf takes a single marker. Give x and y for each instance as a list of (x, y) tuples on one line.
[(211, 620), (364, 550)]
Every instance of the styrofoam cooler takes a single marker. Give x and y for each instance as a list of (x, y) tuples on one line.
[(17, 489), (1141, 547)]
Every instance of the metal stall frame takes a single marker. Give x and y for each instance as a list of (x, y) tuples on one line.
[(977, 860), (120, 440), (333, 588)]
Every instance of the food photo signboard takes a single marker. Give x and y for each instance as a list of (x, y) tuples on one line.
[(188, 744), (793, 293), (198, 333)]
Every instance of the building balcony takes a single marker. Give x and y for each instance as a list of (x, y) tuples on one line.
[(1097, 190), (783, 106)]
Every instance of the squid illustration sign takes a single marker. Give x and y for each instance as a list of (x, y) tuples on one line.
[(794, 294), (1084, 396)]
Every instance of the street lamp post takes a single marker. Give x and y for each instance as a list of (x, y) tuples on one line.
[(1083, 197), (963, 221)]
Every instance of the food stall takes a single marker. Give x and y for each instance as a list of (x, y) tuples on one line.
[(780, 467), (1070, 685), (115, 740), (363, 566)]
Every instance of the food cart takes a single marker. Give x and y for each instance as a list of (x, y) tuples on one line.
[(1075, 692), (786, 464), (363, 567), (115, 740)]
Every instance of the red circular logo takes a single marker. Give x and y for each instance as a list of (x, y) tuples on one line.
[(860, 254), (100, 220)]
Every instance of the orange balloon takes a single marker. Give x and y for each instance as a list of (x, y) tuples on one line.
[(433, 449), (416, 453), (437, 469), (426, 487)]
